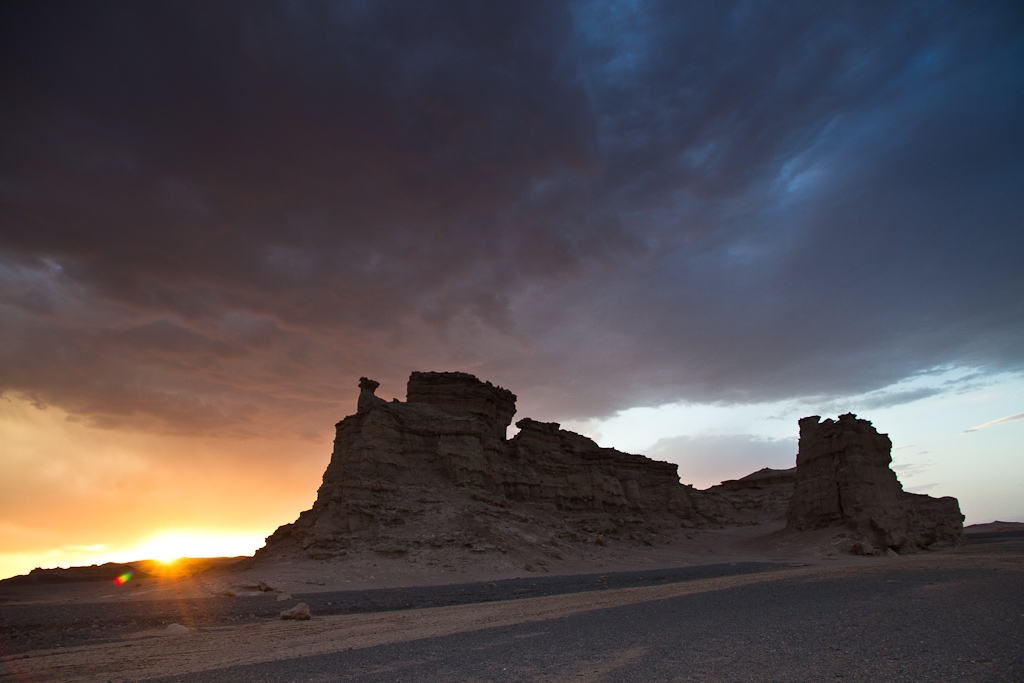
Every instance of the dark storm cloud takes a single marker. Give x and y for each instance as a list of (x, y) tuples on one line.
[(216, 217)]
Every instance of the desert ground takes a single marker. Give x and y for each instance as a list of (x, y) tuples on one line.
[(748, 604)]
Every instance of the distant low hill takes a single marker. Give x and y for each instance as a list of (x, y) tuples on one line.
[(139, 569), (993, 527)]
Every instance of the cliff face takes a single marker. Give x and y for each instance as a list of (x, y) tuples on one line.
[(843, 478), (574, 473), (435, 477), (400, 471)]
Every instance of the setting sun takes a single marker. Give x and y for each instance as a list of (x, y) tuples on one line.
[(173, 545)]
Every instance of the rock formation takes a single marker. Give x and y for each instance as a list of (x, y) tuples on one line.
[(843, 479), (460, 393), (298, 613), (434, 480), (437, 470), (757, 498)]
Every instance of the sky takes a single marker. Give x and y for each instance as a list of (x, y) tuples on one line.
[(676, 227)]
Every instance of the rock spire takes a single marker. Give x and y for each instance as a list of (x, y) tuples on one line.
[(843, 479)]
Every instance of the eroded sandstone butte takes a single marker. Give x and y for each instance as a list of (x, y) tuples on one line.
[(843, 478), (434, 479), (437, 470)]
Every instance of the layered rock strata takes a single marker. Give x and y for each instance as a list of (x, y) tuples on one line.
[(460, 393), (437, 469), (758, 498), (434, 480), (843, 479)]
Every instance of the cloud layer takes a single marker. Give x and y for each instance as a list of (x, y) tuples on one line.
[(993, 423), (709, 460), (216, 217)]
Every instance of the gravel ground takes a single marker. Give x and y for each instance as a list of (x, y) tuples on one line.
[(948, 616), (46, 625), (899, 625)]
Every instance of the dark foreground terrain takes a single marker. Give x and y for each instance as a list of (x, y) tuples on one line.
[(951, 615), (902, 626), (42, 625)]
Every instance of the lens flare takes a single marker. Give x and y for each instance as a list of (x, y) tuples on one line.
[(123, 579)]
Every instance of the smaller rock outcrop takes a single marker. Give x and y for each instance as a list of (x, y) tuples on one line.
[(843, 479), (298, 613), (758, 498), (367, 398)]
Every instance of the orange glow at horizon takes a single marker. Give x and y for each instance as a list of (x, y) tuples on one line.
[(73, 495), (168, 547)]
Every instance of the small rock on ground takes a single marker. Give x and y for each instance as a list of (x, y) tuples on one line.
[(300, 612)]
